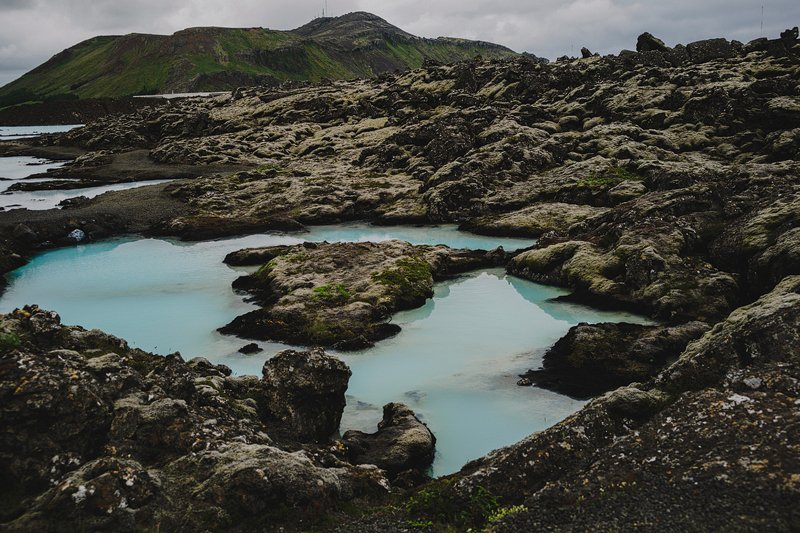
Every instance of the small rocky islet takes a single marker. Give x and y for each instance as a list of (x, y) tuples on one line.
[(663, 181)]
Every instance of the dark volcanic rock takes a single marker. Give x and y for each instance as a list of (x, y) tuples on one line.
[(251, 348), (255, 256), (592, 359), (703, 51), (306, 392), (114, 439), (703, 433), (401, 443), (646, 42)]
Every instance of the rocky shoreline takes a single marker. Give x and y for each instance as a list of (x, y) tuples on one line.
[(665, 180), (133, 441)]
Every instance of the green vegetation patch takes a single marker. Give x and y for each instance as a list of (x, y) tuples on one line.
[(439, 503), (9, 342), (612, 176), (332, 293), (503, 512), (406, 276), (262, 274)]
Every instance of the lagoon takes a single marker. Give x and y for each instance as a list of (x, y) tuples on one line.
[(455, 362)]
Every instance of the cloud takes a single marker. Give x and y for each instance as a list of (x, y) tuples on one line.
[(31, 31)]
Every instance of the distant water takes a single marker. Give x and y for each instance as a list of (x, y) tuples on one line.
[(38, 200), (447, 234), (14, 169), (24, 132), (455, 362), (170, 96)]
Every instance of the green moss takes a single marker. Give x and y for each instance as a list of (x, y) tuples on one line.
[(406, 276), (9, 342), (262, 274), (419, 524), (322, 331), (297, 257), (610, 177), (271, 167), (439, 502), (503, 512), (332, 294)]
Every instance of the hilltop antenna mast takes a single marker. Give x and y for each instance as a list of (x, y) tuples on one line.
[(762, 21)]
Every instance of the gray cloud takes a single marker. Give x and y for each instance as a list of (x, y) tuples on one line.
[(31, 31)]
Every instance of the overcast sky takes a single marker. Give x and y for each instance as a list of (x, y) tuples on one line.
[(31, 31)]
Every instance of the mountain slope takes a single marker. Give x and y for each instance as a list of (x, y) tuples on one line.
[(206, 59)]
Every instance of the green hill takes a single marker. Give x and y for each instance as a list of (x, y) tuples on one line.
[(209, 59)]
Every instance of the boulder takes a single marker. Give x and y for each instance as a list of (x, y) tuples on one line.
[(709, 49), (789, 37), (305, 392), (249, 349), (341, 294), (594, 358), (247, 480), (767, 330), (401, 443), (646, 42)]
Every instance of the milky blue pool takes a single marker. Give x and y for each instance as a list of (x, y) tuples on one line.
[(455, 362)]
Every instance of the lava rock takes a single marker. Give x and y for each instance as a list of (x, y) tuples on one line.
[(594, 358), (251, 348), (709, 49), (305, 391), (401, 443), (646, 42)]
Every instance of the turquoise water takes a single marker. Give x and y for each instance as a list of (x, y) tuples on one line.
[(443, 234), (455, 362)]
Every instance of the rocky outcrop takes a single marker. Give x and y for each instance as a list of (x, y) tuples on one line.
[(342, 294), (402, 443), (648, 43), (700, 435), (112, 438), (305, 391), (712, 440), (533, 221), (595, 358)]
